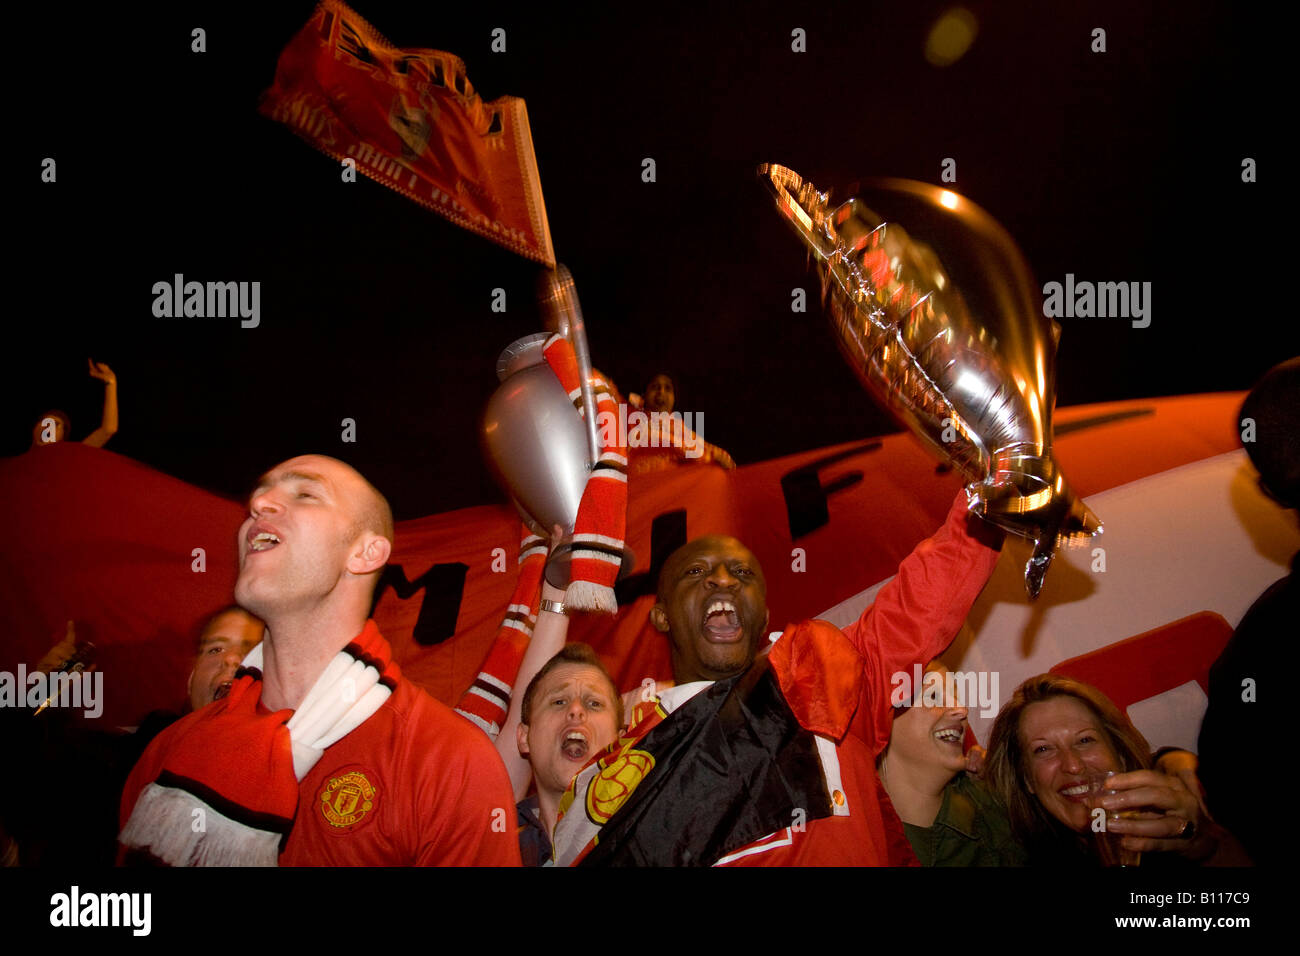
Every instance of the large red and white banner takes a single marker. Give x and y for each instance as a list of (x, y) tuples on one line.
[(410, 119), (139, 559)]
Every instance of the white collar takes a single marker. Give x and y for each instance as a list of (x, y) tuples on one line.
[(675, 696)]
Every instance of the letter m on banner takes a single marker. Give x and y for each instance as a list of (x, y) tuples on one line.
[(411, 120)]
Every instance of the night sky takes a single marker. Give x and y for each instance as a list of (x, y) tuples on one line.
[(1115, 166)]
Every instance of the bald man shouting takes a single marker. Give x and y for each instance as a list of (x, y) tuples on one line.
[(321, 753)]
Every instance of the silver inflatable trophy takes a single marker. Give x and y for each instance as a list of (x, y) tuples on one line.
[(537, 446), (977, 384)]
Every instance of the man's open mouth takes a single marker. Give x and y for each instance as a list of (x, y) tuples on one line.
[(223, 690), (575, 745), (263, 541), (722, 624)]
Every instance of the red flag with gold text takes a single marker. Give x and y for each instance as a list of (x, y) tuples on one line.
[(411, 120)]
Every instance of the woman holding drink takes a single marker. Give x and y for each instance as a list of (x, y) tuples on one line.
[(1063, 758)]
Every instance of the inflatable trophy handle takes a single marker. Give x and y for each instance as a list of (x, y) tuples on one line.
[(975, 382)]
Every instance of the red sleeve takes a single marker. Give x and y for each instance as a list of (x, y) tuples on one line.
[(917, 614), (472, 819)]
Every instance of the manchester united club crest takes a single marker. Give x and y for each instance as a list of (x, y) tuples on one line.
[(619, 775), (346, 799)]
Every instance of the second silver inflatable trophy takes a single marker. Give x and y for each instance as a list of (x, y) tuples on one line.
[(975, 382)]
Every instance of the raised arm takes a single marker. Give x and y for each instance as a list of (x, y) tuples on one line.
[(916, 615), (718, 456), (548, 639), (108, 425), (526, 640)]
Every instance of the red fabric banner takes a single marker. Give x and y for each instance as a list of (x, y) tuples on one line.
[(110, 543), (411, 120)]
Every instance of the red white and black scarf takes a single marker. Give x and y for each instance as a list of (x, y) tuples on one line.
[(227, 793), (487, 702), (602, 515)]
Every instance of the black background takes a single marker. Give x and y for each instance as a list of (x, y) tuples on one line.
[(334, 909), (1116, 166)]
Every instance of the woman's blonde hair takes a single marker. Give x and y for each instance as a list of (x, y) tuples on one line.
[(1006, 766)]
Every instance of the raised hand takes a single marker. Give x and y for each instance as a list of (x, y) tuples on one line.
[(101, 371)]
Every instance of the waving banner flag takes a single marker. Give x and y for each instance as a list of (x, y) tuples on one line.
[(411, 120)]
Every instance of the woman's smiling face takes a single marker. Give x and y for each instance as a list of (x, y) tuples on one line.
[(1063, 740)]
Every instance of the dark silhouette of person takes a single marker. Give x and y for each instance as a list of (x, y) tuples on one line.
[(1243, 717)]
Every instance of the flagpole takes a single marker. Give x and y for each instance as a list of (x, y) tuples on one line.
[(563, 314), (556, 291)]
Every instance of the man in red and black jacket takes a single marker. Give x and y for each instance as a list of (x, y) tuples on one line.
[(770, 760)]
